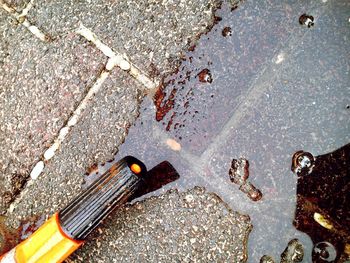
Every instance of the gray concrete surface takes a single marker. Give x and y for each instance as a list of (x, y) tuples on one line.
[(41, 84), (101, 129), (151, 33), (71, 63), (55, 77), (192, 226), (277, 88)]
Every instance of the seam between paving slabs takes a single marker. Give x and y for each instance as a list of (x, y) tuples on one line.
[(198, 166), (21, 18), (259, 86), (115, 59), (29, 6)]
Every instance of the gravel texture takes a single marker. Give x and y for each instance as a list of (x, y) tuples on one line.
[(18, 5), (152, 33), (93, 140), (41, 84), (191, 226)]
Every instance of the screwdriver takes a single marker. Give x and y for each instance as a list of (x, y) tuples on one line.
[(67, 229)]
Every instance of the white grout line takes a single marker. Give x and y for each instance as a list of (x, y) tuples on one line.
[(35, 30), (115, 59), (21, 18), (76, 116), (6, 7), (120, 60), (25, 11)]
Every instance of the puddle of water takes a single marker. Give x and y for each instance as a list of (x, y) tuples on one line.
[(147, 141), (195, 103), (239, 174), (260, 55), (159, 176)]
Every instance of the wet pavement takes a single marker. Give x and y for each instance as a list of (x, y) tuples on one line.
[(259, 85), (273, 91), (322, 202)]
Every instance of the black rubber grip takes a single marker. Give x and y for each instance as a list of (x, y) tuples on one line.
[(107, 193)]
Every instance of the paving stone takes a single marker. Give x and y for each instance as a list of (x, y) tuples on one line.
[(152, 33), (41, 84), (191, 226), (94, 139)]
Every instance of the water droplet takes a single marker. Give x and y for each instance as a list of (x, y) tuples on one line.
[(306, 20), (324, 252), (205, 76), (302, 162), (227, 31), (217, 19), (251, 191), (294, 252), (239, 171), (266, 259), (322, 203)]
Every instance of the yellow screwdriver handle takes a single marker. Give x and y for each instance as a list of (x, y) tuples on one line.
[(49, 244), (65, 231)]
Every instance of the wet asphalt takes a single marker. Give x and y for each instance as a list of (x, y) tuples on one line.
[(275, 87)]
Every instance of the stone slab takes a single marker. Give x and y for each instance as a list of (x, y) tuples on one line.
[(41, 84)]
